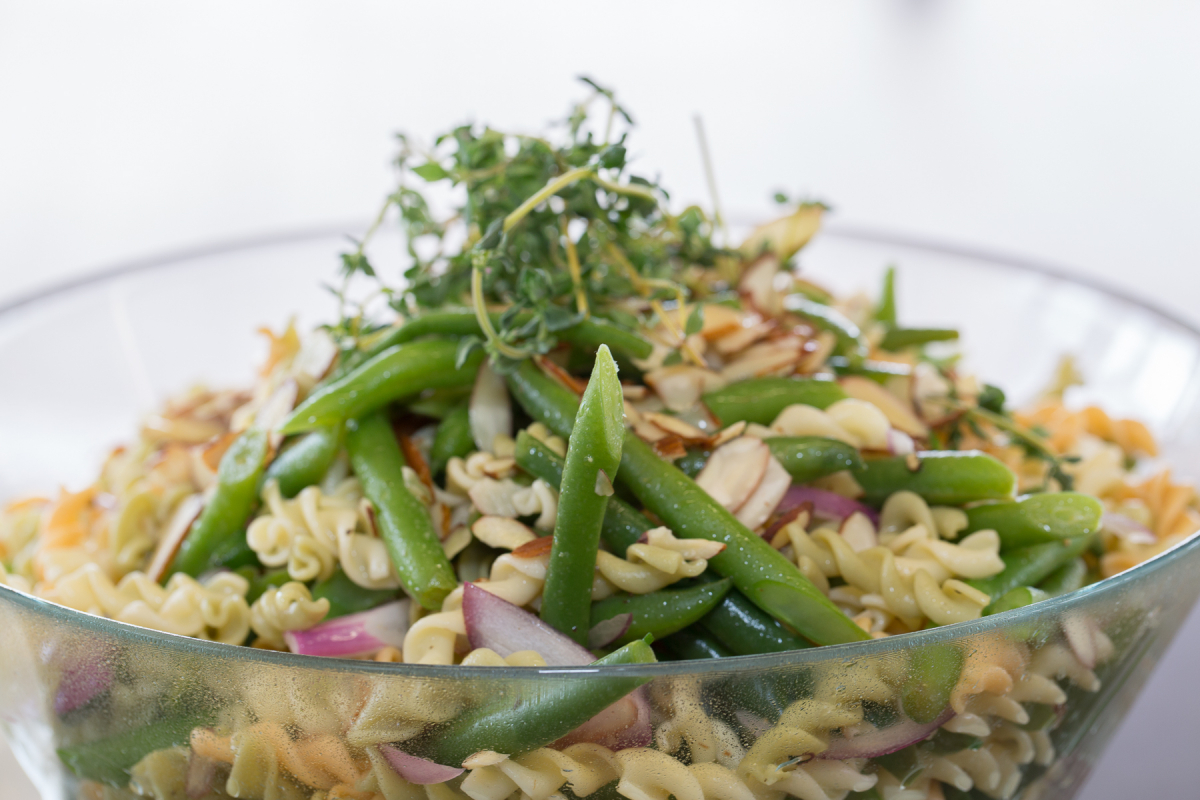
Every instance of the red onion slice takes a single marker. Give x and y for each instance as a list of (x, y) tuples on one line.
[(607, 631), (354, 634), (1127, 528), (499, 625), (201, 775), (881, 741), (80, 684), (417, 770), (829, 505), (624, 724)]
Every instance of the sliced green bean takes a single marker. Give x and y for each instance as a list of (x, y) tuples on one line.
[(347, 597), (589, 333), (109, 760), (807, 458), (1038, 518), (452, 439), (1015, 598), (233, 553), (826, 317), (404, 523), (747, 630), (1029, 566), (690, 644), (661, 613), (760, 400), (400, 371), (900, 338), (623, 525), (593, 457), (933, 672), (1067, 578), (941, 477), (305, 461), (225, 515), (261, 581), (886, 312), (516, 728), (758, 570)]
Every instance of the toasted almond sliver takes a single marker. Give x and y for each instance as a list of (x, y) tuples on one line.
[(734, 471), (681, 385), (757, 286), (742, 338), (765, 359), (729, 434), (633, 392), (675, 425), (896, 412), (771, 489)]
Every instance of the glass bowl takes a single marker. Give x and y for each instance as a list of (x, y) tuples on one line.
[(83, 699)]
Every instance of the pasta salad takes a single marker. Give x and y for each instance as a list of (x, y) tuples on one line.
[(589, 431)]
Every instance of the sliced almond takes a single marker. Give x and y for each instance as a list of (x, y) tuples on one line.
[(720, 321), (728, 434), (897, 413), (739, 340), (670, 448), (214, 451), (177, 528), (734, 471), (768, 358), (758, 507), (786, 235), (684, 430), (535, 549), (757, 286), (501, 532), (632, 391), (682, 385), (648, 432)]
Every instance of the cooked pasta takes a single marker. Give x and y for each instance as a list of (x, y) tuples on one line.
[(719, 457)]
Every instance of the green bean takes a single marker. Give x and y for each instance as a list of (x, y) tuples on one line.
[(878, 370), (233, 553), (1067, 578), (347, 597), (1038, 518), (663, 612), (593, 457), (452, 439), (760, 400), (516, 728), (827, 317), (758, 570), (886, 312), (623, 525), (747, 630), (225, 515), (807, 458), (438, 403), (589, 333), (1015, 598), (305, 461), (900, 338), (404, 523), (690, 644), (261, 581), (400, 371), (694, 461), (1041, 715), (933, 672), (109, 760), (1029, 566), (942, 477), (904, 765)]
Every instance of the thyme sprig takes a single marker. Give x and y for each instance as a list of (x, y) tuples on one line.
[(546, 231)]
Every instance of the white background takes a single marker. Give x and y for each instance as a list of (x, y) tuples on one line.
[(1066, 130)]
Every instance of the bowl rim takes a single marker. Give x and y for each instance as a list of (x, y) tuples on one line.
[(666, 669)]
